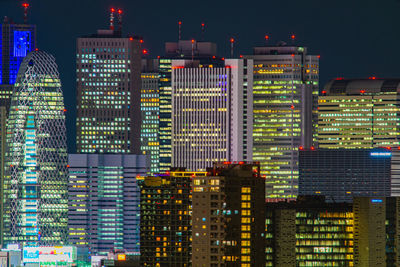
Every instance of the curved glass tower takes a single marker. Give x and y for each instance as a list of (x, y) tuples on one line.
[(35, 183)]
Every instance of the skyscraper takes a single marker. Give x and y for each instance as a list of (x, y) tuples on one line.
[(362, 113), (150, 109), (35, 184), (16, 41), (108, 93), (165, 214), (211, 117), (342, 174), (104, 210), (285, 91), (228, 216), (183, 49)]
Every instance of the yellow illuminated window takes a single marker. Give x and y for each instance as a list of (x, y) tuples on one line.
[(245, 205), (245, 250), (246, 190), (245, 227), (245, 220), (245, 235), (245, 258), (245, 212), (246, 197)]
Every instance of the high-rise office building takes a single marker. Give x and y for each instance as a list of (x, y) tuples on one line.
[(35, 183), (183, 49), (165, 219), (16, 41), (150, 109), (310, 232), (361, 113), (285, 91), (340, 175), (228, 222), (211, 112), (108, 93), (104, 208)]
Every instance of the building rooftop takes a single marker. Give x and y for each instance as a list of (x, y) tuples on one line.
[(371, 85)]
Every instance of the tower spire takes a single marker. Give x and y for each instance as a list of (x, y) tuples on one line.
[(120, 20), (112, 18), (180, 30), (25, 5)]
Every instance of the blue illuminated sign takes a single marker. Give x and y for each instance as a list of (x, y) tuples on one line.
[(22, 43), (381, 154), (376, 200)]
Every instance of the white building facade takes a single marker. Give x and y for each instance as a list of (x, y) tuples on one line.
[(210, 114)]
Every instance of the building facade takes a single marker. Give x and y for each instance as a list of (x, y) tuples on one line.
[(361, 114), (340, 175), (35, 182), (310, 232), (228, 219), (104, 208), (211, 117), (150, 112), (16, 41), (285, 91), (183, 49), (165, 213), (108, 93)]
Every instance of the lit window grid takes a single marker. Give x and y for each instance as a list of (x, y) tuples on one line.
[(150, 107), (196, 145), (103, 94), (358, 121), (36, 102), (277, 122)]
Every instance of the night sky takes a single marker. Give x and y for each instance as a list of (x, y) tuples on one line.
[(355, 38)]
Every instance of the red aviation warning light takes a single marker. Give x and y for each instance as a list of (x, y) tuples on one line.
[(112, 18), (293, 37), (232, 40), (25, 6)]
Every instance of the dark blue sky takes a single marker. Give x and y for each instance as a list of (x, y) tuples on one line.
[(356, 38)]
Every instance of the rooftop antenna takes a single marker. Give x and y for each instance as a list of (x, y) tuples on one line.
[(293, 37), (25, 6), (266, 39), (120, 20), (202, 31), (180, 30), (112, 19), (232, 43), (193, 49)]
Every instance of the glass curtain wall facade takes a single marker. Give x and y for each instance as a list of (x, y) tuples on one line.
[(165, 70), (150, 108), (108, 93), (104, 210), (285, 94), (362, 114), (35, 183)]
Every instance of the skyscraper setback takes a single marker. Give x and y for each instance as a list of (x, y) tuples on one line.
[(285, 94), (35, 184), (108, 93)]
